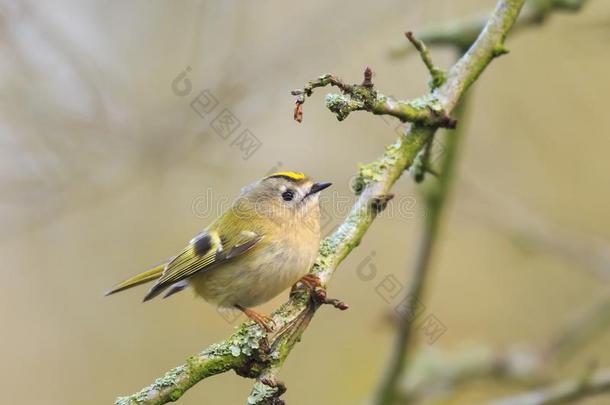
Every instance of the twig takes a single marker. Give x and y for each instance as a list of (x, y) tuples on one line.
[(462, 34), (242, 352), (438, 76), (364, 97), (563, 392)]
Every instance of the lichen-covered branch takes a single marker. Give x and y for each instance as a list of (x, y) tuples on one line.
[(240, 352), (364, 97), (247, 351), (564, 392), (462, 34)]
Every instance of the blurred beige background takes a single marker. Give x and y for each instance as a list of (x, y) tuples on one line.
[(103, 169)]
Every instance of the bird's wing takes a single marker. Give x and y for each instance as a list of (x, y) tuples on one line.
[(204, 251)]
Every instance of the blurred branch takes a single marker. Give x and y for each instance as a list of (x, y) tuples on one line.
[(430, 376), (247, 351), (462, 34), (588, 324), (563, 392), (433, 374), (530, 231), (435, 198)]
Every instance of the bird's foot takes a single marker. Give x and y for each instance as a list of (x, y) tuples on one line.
[(311, 281), (265, 322)]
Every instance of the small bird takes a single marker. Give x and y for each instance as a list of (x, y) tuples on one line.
[(263, 244)]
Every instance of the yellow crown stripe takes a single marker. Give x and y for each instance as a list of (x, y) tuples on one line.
[(296, 176)]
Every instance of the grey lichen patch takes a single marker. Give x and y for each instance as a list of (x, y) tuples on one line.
[(428, 101), (244, 341), (262, 394), (123, 401), (216, 350), (137, 398), (169, 378), (341, 105), (381, 98)]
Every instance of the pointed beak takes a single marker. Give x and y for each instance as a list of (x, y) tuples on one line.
[(317, 187)]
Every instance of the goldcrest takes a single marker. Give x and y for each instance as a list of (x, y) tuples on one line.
[(263, 244)]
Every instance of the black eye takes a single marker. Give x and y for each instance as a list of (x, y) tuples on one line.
[(288, 195)]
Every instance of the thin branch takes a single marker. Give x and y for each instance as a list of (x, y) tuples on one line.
[(461, 35), (364, 97), (438, 76), (246, 351), (563, 392)]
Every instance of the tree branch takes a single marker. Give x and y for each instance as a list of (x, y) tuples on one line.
[(462, 34), (563, 392), (246, 351)]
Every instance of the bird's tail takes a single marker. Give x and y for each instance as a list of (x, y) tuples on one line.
[(144, 277)]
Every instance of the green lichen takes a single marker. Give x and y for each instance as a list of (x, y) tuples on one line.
[(136, 398), (327, 249), (500, 50), (375, 171)]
